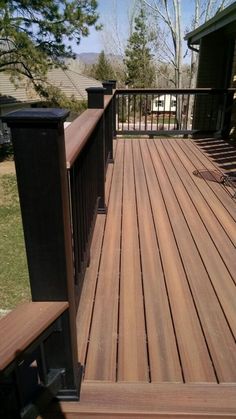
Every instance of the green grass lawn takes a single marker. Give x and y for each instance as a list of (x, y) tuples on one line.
[(14, 283)]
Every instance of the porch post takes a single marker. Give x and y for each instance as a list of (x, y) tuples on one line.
[(113, 108), (108, 86), (96, 101), (39, 150)]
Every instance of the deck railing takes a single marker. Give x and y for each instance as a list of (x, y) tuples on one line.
[(172, 111), (35, 363), (61, 182)]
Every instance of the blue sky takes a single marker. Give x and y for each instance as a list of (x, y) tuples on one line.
[(95, 41)]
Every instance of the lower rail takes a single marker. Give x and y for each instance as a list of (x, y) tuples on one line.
[(32, 371)]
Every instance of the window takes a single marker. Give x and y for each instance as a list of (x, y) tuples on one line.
[(159, 103)]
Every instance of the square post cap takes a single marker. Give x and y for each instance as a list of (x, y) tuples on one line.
[(108, 86), (113, 83), (96, 97), (36, 116)]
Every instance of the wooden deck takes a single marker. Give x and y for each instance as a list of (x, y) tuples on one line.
[(159, 300)]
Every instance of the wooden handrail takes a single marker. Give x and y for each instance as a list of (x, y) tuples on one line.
[(107, 100), (77, 134), (24, 325), (179, 91)]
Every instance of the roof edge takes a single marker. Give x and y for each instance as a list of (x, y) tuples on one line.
[(226, 16)]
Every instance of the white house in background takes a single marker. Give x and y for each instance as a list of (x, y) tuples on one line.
[(164, 103)]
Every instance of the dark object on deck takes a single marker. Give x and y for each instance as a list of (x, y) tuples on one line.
[(226, 179)]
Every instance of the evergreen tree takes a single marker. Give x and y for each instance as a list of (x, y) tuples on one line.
[(138, 61), (33, 35), (103, 69)]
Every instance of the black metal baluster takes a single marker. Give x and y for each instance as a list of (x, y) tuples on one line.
[(128, 110), (164, 112), (151, 110), (170, 96), (140, 112), (145, 112)]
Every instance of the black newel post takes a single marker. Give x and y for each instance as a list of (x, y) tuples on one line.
[(109, 123), (108, 85), (227, 112), (39, 149), (113, 108), (96, 101)]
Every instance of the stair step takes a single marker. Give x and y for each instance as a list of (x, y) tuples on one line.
[(161, 401)]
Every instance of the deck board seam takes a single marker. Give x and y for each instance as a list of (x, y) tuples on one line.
[(139, 164), (158, 170), (191, 162), (120, 255), (181, 258), (142, 279), (163, 270), (197, 249), (98, 269), (195, 149), (223, 144), (215, 164), (203, 263), (197, 211), (196, 245)]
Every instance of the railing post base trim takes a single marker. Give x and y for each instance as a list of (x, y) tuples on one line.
[(102, 210)]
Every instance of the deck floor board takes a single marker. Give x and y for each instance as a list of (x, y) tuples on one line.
[(209, 168), (132, 349), (159, 300), (162, 346), (102, 344)]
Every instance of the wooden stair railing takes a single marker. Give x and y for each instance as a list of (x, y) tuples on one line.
[(61, 183), (35, 363)]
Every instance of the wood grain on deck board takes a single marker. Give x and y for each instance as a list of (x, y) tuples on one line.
[(224, 218), (102, 353), (85, 309), (163, 352), (205, 163), (132, 348), (164, 308), (161, 401), (188, 230), (189, 334)]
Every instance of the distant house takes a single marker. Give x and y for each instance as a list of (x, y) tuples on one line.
[(164, 104), (12, 98), (216, 42)]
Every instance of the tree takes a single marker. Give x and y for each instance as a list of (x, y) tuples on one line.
[(138, 58), (102, 70), (167, 15), (33, 35)]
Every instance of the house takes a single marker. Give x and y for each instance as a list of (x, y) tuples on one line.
[(164, 104), (148, 330), (131, 253), (215, 42), (13, 98)]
